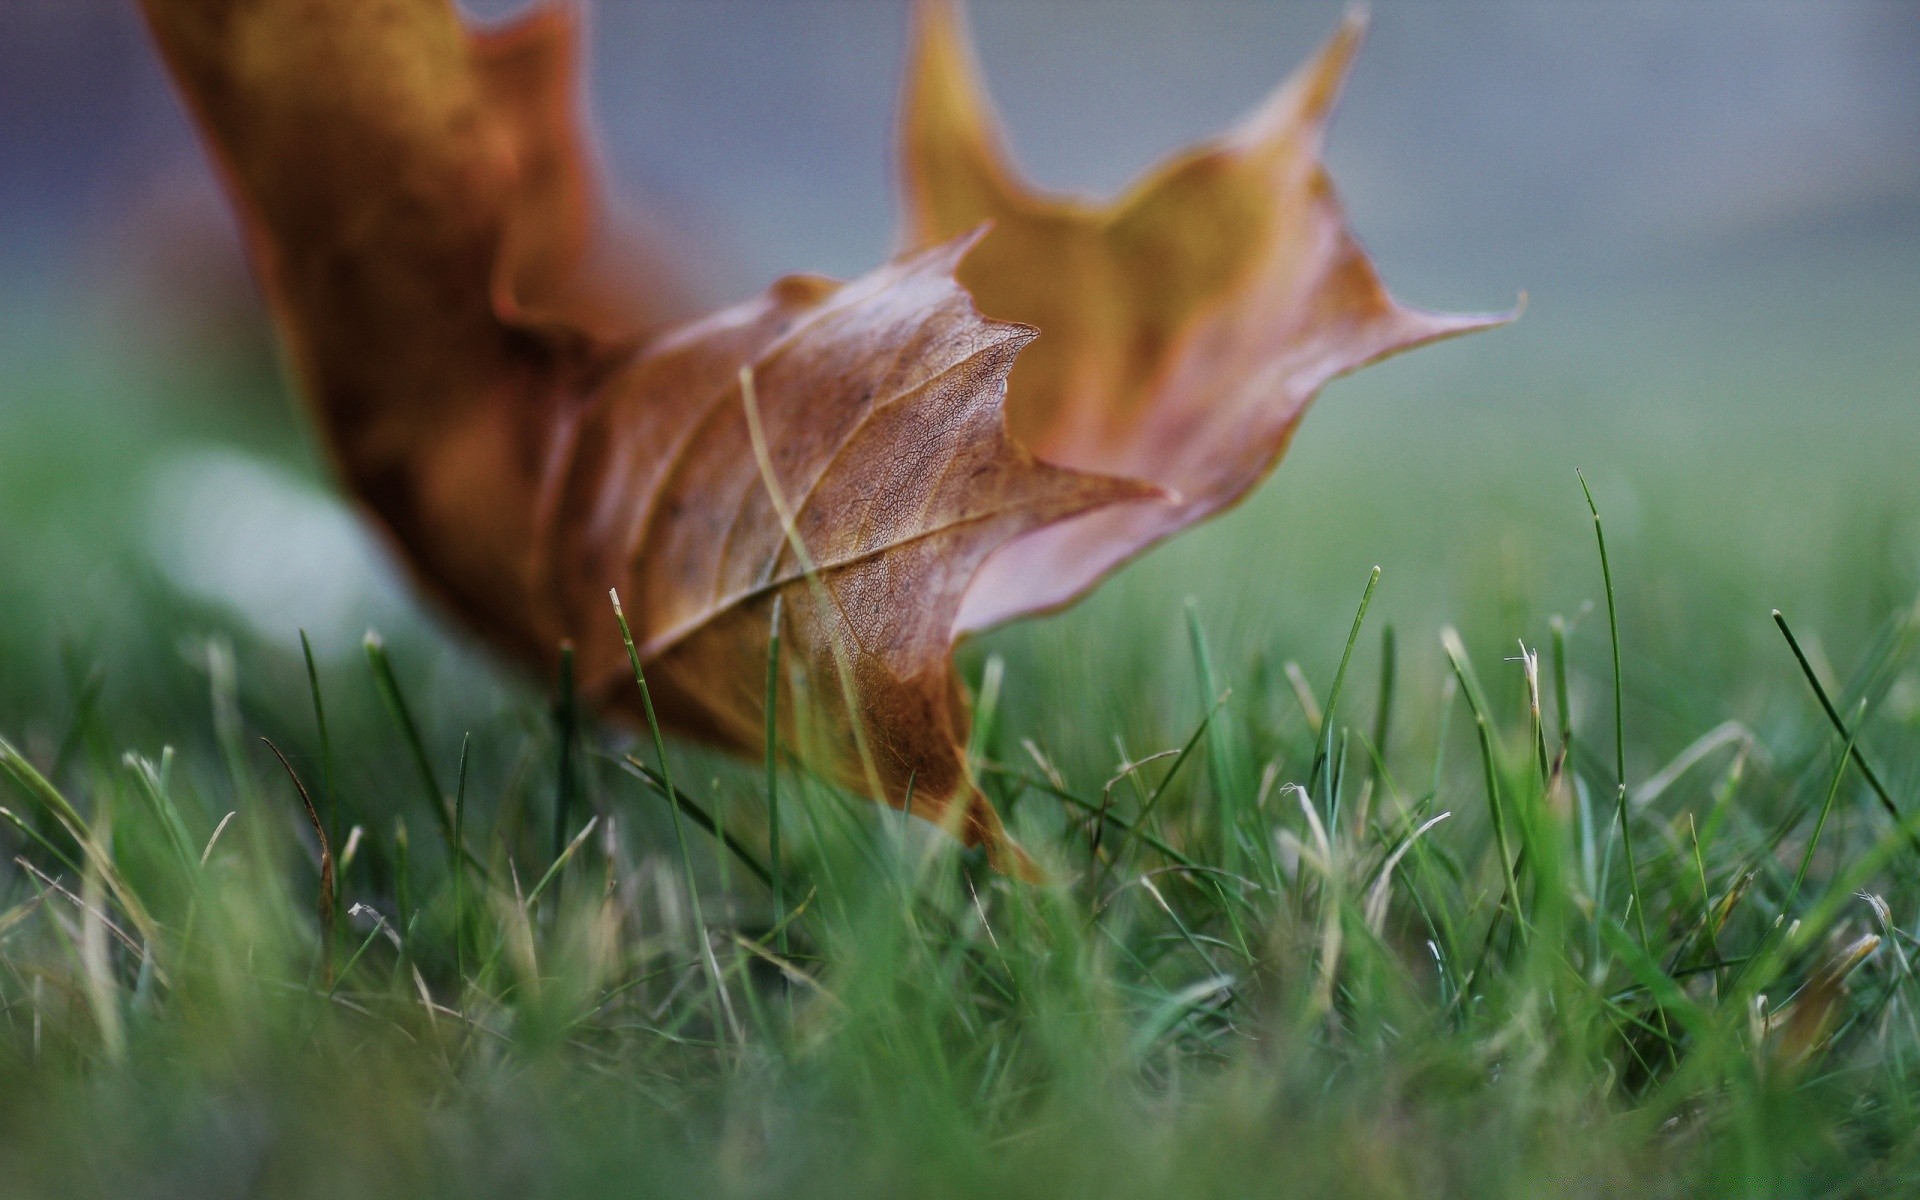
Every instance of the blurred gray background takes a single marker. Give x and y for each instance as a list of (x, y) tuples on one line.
[(1484, 146)]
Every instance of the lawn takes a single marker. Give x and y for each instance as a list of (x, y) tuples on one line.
[(1340, 903), (1518, 795)]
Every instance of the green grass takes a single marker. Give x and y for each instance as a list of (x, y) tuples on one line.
[(1463, 935), (1345, 903)]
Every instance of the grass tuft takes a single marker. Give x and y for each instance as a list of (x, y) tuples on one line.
[(1283, 947)]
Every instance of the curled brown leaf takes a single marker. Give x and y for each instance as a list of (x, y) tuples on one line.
[(503, 386), (420, 203)]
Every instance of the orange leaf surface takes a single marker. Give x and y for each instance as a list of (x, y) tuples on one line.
[(863, 478), (1185, 327), (503, 386), (420, 205)]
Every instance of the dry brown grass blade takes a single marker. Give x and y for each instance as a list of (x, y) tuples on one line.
[(324, 902), (1809, 1016)]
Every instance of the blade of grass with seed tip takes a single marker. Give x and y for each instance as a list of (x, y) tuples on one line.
[(1544, 833), (213, 839), (1536, 720)]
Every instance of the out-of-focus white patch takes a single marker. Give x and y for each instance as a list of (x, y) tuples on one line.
[(245, 534)]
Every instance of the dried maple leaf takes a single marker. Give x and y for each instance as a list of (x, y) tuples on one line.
[(420, 206), (499, 384), (879, 477), (1185, 327)]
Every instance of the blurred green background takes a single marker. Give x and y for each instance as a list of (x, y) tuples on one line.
[(1713, 209)]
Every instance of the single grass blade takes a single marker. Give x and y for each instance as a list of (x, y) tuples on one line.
[(1619, 722), (566, 723), (460, 862), (388, 685), (1139, 825), (1101, 811), (1476, 704), (1383, 713), (673, 809), (552, 876), (772, 876), (324, 902), (1223, 763), (153, 786), (699, 816), (404, 911), (39, 839), (1322, 760), (328, 796), (1839, 726), (1820, 823), (1557, 629), (566, 732)]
